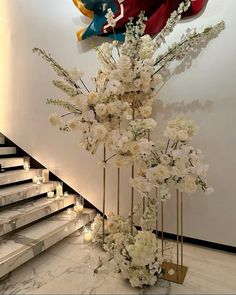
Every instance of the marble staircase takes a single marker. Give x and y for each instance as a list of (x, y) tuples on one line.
[(30, 222)]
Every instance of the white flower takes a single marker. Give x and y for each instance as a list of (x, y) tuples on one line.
[(121, 161), (105, 49), (145, 111), (101, 109), (147, 47), (98, 132), (113, 87), (93, 97), (171, 133), (158, 173), (180, 129), (150, 123), (143, 251), (55, 119), (145, 146), (141, 184), (113, 108), (164, 193), (133, 147), (189, 184), (182, 135), (75, 74), (171, 272), (89, 115), (80, 101), (110, 18)]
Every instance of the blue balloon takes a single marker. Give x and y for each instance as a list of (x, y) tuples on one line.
[(98, 6)]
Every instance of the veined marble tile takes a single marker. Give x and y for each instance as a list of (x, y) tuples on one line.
[(7, 151), (210, 272), (11, 162), (18, 216), (56, 272), (81, 280), (29, 242), (13, 176), (24, 191)]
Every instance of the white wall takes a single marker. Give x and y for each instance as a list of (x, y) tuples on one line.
[(206, 91)]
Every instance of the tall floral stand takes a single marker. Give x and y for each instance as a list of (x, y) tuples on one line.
[(179, 270)]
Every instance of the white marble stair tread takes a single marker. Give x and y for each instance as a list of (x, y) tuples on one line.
[(13, 176), (29, 242), (18, 216), (16, 193), (2, 139), (11, 162), (7, 151)]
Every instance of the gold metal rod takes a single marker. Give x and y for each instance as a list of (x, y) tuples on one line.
[(132, 188), (162, 228), (118, 191), (182, 229), (104, 197), (177, 240), (157, 215), (132, 205)]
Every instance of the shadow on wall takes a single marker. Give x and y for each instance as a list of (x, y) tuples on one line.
[(169, 110)]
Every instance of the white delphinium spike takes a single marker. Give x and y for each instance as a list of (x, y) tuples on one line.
[(110, 18), (171, 22), (190, 42)]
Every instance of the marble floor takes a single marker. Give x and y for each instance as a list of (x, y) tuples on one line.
[(67, 268)]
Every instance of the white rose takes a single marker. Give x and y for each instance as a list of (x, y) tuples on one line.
[(55, 119), (101, 109), (133, 147), (145, 111), (93, 97), (112, 108), (98, 132)]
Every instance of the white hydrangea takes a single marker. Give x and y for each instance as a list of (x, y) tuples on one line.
[(143, 251)]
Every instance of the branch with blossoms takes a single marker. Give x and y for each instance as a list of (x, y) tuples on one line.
[(174, 165)]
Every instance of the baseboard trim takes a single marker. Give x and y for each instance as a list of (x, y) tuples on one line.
[(203, 243)]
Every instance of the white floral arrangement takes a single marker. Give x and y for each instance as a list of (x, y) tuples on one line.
[(117, 114), (136, 256)]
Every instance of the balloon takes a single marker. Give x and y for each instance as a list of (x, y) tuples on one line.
[(157, 12)]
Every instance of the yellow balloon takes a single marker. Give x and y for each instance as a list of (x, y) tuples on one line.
[(85, 11)]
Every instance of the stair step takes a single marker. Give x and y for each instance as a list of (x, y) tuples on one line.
[(9, 177), (28, 243), (7, 151), (24, 191), (14, 218), (11, 162), (2, 139)]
